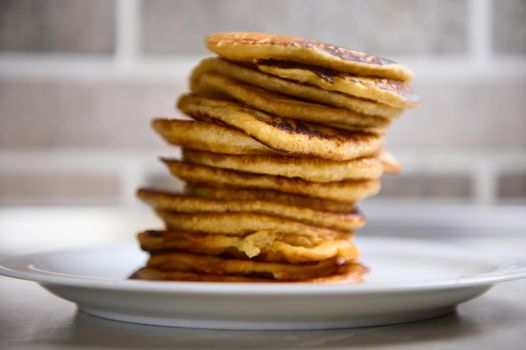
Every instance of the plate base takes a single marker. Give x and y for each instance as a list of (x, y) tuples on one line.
[(376, 320)]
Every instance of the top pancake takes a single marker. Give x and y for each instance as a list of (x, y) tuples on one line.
[(251, 47)]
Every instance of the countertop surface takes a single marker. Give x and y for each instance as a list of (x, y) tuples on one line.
[(32, 318)]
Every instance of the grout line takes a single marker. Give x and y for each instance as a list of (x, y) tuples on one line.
[(131, 175), (488, 19), (70, 201), (484, 182), (127, 33), (433, 161), (479, 32), (179, 67), (127, 65)]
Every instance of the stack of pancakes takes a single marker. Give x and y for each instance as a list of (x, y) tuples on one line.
[(287, 136)]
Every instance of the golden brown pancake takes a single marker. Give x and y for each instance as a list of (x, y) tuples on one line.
[(346, 191), (286, 135), (245, 194), (243, 224), (251, 47), (204, 264), (217, 85), (255, 238), (251, 76), (153, 274), (390, 92), (208, 137), (310, 169), (187, 204), (262, 246), (347, 273), (390, 164)]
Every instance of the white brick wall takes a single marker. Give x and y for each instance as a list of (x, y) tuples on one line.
[(483, 157)]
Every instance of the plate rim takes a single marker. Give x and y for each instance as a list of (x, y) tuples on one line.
[(510, 268)]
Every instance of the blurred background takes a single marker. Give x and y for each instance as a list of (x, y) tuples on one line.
[(80, 80)]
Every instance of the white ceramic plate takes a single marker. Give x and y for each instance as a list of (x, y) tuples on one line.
[(409, 281)]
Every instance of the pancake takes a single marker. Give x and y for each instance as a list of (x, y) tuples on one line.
[(215, 243), (208, 137), (286, 135), (188, 204), (243, 224), (204, 264), (262, 246), (394, 93), (346, 191), (390, 164), (217, 85), (347, 273), (251, 47), (317, 204), (251, 76), (310, 169)]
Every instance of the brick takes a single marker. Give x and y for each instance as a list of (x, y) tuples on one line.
[(164, 182), (480, 114), (509, 31), (72, 26), (60, 188), (94, 114), (431, 186), (512, 185), (382, 27)]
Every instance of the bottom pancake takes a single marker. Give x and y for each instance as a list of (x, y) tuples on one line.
[(211, 265), (348, 273), (262, 246)]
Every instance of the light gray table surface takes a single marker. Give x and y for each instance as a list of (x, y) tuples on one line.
[(32, 318)]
